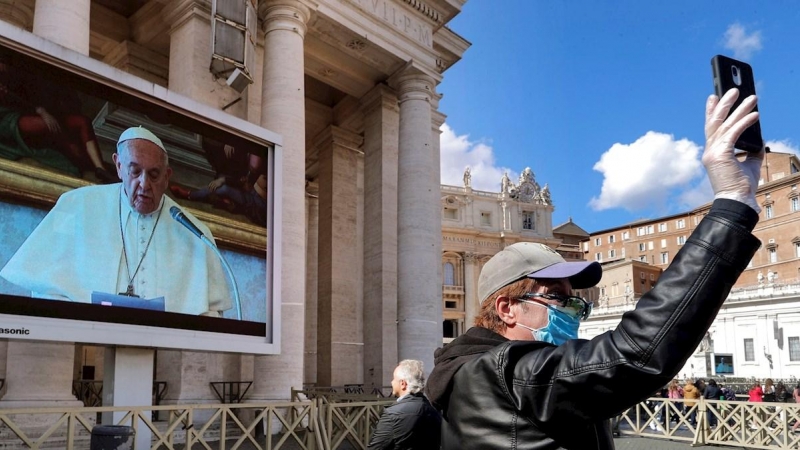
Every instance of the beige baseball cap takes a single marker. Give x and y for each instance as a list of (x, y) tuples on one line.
[(534, 260)]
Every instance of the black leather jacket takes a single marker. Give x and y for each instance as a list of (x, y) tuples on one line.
[(410, 424), (500, 394)]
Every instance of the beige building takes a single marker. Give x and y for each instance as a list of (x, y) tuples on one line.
[(350, 85), (757, 332), (657, 241), (477, 224)]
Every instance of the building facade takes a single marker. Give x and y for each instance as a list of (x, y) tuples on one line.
[(477, 224), (756, 333), (350, 85)]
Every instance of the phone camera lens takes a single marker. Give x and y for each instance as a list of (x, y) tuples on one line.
[(735, 70)]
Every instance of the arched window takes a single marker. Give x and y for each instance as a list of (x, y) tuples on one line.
[(449, 274)]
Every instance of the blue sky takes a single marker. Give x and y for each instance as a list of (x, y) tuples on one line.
[(605, 101)]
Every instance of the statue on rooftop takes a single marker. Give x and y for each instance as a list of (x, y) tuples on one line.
[(505, 184)]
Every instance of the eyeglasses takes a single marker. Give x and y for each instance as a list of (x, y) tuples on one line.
[(574, 307)]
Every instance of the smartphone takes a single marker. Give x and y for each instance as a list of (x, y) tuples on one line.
[(730, 73)]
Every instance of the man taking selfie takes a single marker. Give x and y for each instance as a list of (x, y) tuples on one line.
[(521, 379)]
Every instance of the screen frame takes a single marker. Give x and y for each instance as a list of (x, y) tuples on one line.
[(242, 337), (717, 357)]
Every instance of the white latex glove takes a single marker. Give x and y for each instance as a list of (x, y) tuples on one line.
[(729, 177)]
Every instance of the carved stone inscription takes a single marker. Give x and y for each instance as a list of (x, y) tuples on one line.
[(399, 18), (471, 242)]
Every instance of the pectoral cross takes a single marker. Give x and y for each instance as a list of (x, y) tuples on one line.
[(129, 292)]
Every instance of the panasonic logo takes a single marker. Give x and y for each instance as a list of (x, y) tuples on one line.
[(23, 331)]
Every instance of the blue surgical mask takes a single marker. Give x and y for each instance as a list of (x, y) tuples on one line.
[(560, 327)]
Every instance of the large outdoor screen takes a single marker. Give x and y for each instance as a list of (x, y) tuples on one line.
[(78, 262)]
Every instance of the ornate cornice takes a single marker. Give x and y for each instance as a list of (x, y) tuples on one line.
[(425, 10)]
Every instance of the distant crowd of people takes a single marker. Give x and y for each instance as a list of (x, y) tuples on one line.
[(687, 395)]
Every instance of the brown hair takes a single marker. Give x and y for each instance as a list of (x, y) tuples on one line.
[(487, 316)]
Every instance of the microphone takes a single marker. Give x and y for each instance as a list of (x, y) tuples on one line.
[(178, 215)]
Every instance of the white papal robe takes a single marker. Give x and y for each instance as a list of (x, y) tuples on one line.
[(77, 249)]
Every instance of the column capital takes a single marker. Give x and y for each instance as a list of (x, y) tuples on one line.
[(287, 15), (470, 258), (413, 83), (381, 96), (333, 135), (176, 13)]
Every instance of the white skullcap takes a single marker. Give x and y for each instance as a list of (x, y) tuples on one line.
[(140, 132)]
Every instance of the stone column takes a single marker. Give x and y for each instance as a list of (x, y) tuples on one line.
[(190, 57), (339, 345), (39, 374), (65, 22), (471, 301), (312, 252), (437, 119), (419, 305), (129, 382), (283, 111), (188, 375), (17, 12), (381, 128)]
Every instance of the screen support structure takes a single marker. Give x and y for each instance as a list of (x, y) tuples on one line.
[(128, 381)]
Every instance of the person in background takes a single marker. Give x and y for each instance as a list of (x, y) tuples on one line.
[(690, 396), (411, 423), (796, 397), (675, 393), (657, 406), (769, 390), (781, 393), (701, 386), (756, 393), (712, 392)]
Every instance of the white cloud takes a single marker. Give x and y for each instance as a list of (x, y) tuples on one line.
[(783, 146), (458, 153), (695, 195), (744, 45), (648, 173)]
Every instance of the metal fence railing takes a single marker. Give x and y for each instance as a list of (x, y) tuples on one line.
[(737, 424), (306, 425), (322, 424)]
